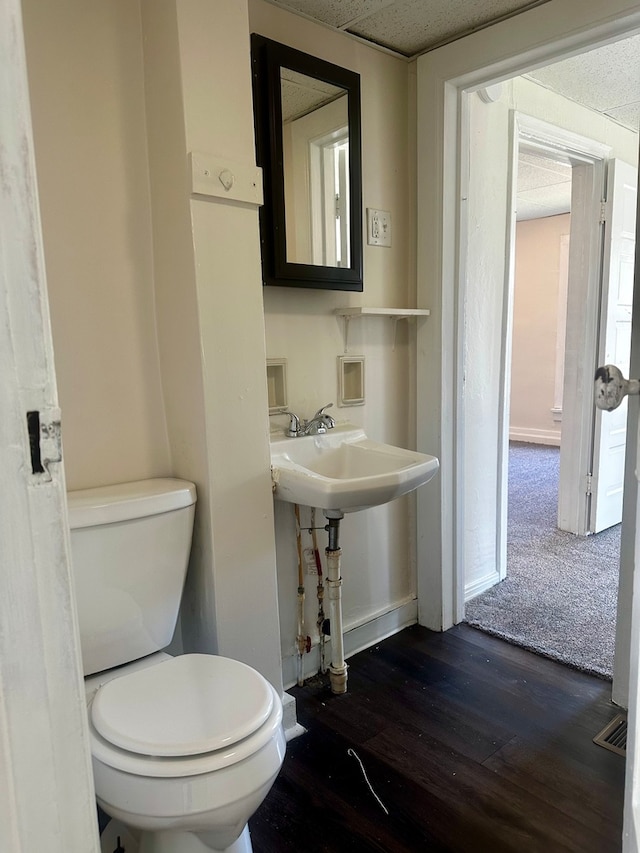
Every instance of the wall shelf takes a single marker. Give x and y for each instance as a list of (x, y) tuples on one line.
[(394, 314)]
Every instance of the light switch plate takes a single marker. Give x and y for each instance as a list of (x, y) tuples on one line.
[(378, 227)]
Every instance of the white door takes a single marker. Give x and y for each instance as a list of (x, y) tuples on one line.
[(47, 801), (610, 431)]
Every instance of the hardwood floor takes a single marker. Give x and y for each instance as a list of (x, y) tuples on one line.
[(471, 745)]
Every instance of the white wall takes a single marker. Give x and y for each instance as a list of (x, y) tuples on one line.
[(539, 305), (378, 560), (210, 322)]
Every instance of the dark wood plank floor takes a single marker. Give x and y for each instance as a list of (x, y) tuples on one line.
[(471, 745)]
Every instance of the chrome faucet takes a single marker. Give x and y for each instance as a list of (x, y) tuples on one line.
[(316, 425)]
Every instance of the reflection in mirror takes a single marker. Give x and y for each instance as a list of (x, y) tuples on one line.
[(307, 115), (315, 148)]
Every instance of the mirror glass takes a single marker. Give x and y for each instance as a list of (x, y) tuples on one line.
[(315, 156), (307, 115)]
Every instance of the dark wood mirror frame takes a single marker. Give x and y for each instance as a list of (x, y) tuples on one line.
[(268, 57)]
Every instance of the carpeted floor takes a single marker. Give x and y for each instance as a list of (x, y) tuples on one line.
[(560, 595)]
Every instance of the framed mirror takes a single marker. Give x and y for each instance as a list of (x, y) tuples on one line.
[(307, 116)]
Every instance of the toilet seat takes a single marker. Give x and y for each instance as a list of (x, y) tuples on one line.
[(184, 716), (187, 705)]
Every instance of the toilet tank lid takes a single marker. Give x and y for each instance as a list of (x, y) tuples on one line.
[(128, 501)]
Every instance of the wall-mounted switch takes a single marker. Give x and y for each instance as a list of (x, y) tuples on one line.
[(378, 227)]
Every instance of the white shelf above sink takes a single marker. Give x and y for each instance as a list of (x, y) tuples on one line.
[(394, 314)]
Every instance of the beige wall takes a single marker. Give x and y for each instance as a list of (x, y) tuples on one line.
[(379, 560), (536, 309), (157, 302), (86, 85), (156, 294)]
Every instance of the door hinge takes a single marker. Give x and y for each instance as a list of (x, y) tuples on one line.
[(603, 212), (45, 440), (589, 483)]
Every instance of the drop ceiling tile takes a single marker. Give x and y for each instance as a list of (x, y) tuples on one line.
[(547, 201), (302, 94), (628, 115), (600, 79), (557, 161), (536, 172), (335, 13), (410, 26), (533, 210), (530, 210)]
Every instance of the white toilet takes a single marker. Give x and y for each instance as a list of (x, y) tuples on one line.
[(185, 748)]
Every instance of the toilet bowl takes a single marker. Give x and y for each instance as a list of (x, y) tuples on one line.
[(184, 749)]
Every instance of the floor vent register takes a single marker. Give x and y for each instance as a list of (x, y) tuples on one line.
[(614, 735)]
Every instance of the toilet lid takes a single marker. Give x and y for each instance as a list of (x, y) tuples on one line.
[(187, 705)]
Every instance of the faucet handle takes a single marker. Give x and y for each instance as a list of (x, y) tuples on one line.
[(321, 411), (294, 425), (326, 421)]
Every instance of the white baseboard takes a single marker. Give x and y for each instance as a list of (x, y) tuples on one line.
[(358, 636), (535, 436), (480, 585)]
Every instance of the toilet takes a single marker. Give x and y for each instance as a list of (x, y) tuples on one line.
[(185, 748)]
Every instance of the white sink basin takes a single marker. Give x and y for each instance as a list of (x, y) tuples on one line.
[(343, 470)]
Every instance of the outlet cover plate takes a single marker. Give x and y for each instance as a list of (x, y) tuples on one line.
[(378, 227)]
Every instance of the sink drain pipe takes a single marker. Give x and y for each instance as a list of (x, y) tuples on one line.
[(303, 643), (338, 667), (320, 621)]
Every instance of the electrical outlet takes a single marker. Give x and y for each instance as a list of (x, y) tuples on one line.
[(378, 227)]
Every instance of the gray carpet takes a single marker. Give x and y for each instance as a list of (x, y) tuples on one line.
[(559, 598)]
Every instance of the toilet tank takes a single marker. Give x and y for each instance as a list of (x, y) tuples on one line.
[(130, 547)]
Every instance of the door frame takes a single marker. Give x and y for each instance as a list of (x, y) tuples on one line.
[(588, 159), (532, 39), (537, 37)]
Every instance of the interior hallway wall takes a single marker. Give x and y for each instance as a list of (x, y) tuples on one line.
[(539, 305)]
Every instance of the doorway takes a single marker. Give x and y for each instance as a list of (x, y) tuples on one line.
[(560, 594), (443, 272), (562, 155)]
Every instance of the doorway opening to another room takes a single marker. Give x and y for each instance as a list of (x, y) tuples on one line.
[(566, 307)]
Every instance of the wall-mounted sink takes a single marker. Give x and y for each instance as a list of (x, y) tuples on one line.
[(343, 470)]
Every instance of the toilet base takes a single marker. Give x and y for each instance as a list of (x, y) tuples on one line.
[(115, 835), (167, 841)]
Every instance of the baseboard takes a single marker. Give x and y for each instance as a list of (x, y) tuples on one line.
[(356, 637), (535, 436), (481, 585)]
